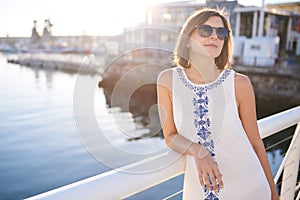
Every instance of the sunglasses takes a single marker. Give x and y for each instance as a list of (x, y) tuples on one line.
[(206, 31)]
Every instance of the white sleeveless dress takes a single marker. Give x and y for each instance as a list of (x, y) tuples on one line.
[(207, 114)]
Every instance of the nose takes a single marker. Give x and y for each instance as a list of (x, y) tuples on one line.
[(214, 33)]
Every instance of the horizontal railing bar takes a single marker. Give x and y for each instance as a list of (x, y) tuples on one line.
[(127, 180), (173, 195), (279, 142), (277, 122), (121, 183)]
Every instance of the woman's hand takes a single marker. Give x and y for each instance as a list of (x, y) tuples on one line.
[(208, 169)]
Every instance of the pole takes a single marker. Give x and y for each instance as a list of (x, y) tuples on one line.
[(261, 19)]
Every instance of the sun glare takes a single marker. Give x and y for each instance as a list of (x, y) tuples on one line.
[(90, 17), (93, 17), (117, 15)]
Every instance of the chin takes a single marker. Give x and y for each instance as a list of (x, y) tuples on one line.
[(214, 54)]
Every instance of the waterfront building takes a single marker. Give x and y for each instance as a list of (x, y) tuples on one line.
[(262, 25), (164, 21), (293, 7), (266, 22)]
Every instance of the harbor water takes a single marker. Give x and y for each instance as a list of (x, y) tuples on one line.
[(41, 147)]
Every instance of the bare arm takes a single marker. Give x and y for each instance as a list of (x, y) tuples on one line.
[(247, 112), (172, 138), (205, 163)]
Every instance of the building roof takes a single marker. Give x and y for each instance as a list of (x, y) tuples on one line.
[(288, 6), (291, 3), (266, 10)]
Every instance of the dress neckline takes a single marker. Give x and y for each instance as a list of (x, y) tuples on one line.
[(181, 70)]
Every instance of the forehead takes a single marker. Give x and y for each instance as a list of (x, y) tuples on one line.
[(214, 21)]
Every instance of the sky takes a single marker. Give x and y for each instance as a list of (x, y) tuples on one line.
[(78, 17)]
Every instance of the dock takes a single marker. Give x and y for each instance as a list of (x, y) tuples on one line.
[(71, 63), (270, 82)]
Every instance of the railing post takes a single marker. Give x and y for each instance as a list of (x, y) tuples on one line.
[(289, 178)]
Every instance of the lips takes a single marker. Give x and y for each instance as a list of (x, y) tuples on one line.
[(211, 45)]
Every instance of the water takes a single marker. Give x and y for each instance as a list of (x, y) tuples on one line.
[(42, 146)]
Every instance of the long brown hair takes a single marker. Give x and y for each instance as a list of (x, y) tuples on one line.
[(181, 53)]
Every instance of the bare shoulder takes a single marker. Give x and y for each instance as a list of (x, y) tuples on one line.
[(243, 89), (241, 78), (242, 82), (165, 77)]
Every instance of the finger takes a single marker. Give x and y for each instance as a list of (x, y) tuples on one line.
[(219, 179), (206, 180), (217, 176), (201, 179), (213, 185)]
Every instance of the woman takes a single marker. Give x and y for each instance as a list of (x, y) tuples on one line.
[(208, 113)]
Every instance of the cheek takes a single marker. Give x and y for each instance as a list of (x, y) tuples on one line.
[(196, 44), (197, 47)]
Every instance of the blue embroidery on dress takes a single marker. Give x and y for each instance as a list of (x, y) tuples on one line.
[(202, 121), (211, 196)]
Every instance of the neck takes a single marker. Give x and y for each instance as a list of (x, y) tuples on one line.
[(205, 67)]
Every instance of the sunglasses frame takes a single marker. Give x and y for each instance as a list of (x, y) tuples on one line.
[(221, 37)]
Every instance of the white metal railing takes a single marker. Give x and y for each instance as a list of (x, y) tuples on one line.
[(119, 184)]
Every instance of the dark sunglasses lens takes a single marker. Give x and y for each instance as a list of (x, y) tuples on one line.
[(204, 30), (222, 33)]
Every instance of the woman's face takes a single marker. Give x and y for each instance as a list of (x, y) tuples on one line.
[(210, 46)]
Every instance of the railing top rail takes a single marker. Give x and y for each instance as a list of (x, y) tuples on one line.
[(119, 184), (278, 122)]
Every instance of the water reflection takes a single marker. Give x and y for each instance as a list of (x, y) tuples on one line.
[(129, 82), (39, 143)]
